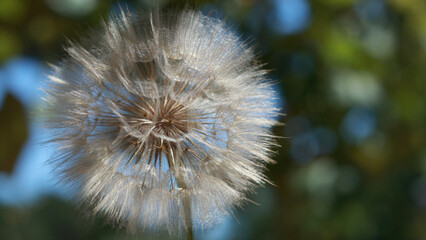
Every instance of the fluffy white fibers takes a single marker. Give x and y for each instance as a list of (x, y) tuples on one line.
[(160, 121)]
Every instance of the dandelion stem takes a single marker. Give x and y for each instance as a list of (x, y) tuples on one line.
[(175, 160), (188, 216), (186, 202)]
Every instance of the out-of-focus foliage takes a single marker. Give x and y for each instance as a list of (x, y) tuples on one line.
[(352, 78), (14, 130)]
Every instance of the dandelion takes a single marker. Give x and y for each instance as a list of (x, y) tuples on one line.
[(161, 121)]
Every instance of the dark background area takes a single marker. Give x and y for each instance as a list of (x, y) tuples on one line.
[(351, 77)]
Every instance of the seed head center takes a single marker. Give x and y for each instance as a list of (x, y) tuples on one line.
[(169, 118)]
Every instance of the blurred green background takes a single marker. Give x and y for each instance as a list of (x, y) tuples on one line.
[(351, 77)]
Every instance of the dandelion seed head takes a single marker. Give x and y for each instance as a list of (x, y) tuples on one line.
[(152, 111)]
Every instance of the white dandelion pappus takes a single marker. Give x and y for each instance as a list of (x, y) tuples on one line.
[(160, 120)]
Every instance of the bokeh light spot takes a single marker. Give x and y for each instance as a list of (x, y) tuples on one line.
[(358, 124), (350, 87), (304, 147), (289, 16), (72, 8), (23, 77), (327, 140)]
